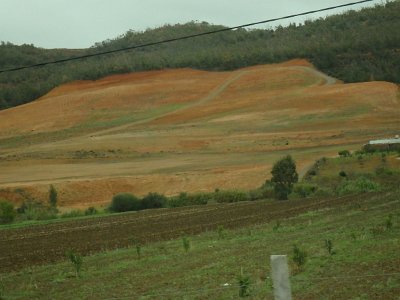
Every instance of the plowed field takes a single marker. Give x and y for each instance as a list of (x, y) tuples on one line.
[(41, 244)]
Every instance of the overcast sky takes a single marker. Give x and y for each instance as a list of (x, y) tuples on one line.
[(81, 23)]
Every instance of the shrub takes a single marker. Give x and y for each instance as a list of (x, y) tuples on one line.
[(282, 192), (153, 200), (52, 196), (2, 290), (244, 285), (7, 212), (359, 152), (360, 185), (178, 201), (35, 210), (324, 192), (299, 256), (329, 247), (44, 214), (91, 211), (305, 190), (72, 214), (199, 198), (311, 172), (360, 159), (383, 171), (221, 231), (267, 190), (389, 222), (76, 261), (28, 204), (344, 153), (255, 194), (138, 247), (124, 202), (186, 244), (231, 196), (184, 199), (268, 184), (276, 226)]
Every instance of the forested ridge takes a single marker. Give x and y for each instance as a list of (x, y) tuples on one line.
[(355, 46)]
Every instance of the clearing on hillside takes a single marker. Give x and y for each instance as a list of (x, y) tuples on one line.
[(184, 130)]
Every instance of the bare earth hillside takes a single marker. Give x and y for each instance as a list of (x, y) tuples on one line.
[(184, 130)]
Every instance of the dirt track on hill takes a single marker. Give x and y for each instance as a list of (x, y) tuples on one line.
[(213, 94), (42, 244), (170, 131)]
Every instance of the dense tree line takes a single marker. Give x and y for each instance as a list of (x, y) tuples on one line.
[(355, 46)]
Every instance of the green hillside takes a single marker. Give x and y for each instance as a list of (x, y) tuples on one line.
[(355, 46)]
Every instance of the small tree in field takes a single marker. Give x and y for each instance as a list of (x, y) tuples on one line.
[(53, 196), (7, 212), (125, 202), (284, 175), (76, 261), (153, 200)]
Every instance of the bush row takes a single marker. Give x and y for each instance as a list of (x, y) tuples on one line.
[(128, 202), (346, 186), (32, 210)]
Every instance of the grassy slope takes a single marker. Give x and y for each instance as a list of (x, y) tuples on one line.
[(365, 250), (184, 130), (382, 170)]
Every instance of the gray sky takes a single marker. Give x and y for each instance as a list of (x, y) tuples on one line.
[(81, 23)]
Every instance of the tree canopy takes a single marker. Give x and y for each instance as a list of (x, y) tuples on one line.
[(284, 175), (355, 46)]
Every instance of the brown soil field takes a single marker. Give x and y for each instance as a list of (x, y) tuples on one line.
[(184, 130), (42, 244)]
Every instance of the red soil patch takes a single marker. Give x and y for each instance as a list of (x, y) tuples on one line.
[(108, 98), (224, 132)]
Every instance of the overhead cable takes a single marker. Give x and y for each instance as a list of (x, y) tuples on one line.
[(180, 38)]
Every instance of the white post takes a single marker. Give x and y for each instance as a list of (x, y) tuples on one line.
[(280, 277)]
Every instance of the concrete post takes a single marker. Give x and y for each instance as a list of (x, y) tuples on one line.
[(280, 277)]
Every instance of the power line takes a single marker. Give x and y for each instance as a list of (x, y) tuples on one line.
[(181, 38)]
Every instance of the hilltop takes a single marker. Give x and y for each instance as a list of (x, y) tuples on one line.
[(356, 46), (181, 130)]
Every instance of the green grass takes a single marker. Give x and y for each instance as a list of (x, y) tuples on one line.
[(364, 247), (369, 166), (102, 120), (66, 218)]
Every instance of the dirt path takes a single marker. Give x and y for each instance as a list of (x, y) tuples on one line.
[(328, 79), (212, 95)]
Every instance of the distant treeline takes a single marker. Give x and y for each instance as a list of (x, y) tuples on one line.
[(355, 46)]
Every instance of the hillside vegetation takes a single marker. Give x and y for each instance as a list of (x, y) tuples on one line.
[(184, 130), (354, 47)]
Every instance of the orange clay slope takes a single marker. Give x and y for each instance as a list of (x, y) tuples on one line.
[(184, 130)]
